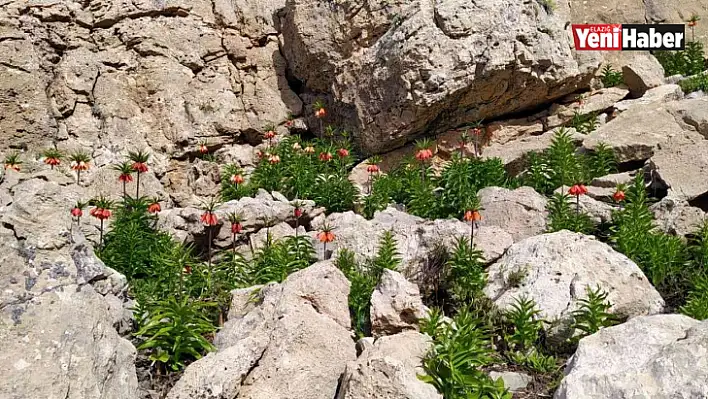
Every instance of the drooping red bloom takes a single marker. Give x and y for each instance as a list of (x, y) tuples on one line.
[(125, 178), (260, 154), (692, 23), (297, 146), (309, 150), (140, 167), (81, 165), (187, 269), (13, 166), (236, 228), (326, 236), (373, 169), (472, 216), (236, 179), (209, 218), (618, 196), (269, 134), (77, 212), (297, 212), (343, 152), (52, 161), (203, 148), (100, 213), (274, 159), (320, 113), (476, 131), (424, 154), (154, 207), (325, 156), (577, 190)]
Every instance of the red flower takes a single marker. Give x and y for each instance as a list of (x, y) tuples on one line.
[(140, 167), (320, 113), (373, 169), (618, 196), (692, 23), (274, 159), (126, 178), (81, 165), (236, 228), (288, 123), (297, 212), (209, 218), (343, 152), (424, 154), (203, 148), (578, 190), (472, 216), (52, 161), (476, 131), (325, 156), (326, 236), (154, 207), (309, 150), (100, 213), (187, 269), (15, 167), (77, 212), (269, 134), (236, 179), (260, 154)]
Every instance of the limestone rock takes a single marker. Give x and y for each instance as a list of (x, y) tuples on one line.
[(642, 74), (512, 381), (658, 95), (522, 212), (415, 237), (613, 180), (681, 168), (388, 369), (675, 216), (694, 112), (555, 269), (292, 342), (396, 305), (375, 79), (670, 364)]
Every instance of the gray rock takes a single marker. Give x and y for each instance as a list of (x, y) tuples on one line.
[(555, 269), (512, 381), (613, 180), (522, 212), (680, 166), (658, 357), (675, 216), (694, 112), (642, 74), (292, 342), (380, 71), (396, 305), (657, 95), (388, 369)]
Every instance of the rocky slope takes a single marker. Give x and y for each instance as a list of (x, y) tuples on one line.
[(111, 76)]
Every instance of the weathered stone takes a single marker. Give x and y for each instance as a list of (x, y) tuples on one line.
[(662, 356), (613, 180), (657, 95), (292, 343), (681, 168), (642, 74), (555, 269), (388, 369), (512, 381), (594, 103), (396, 305), (415, 237), (675, 216), (522, 212), (375, 80), (694, 112)]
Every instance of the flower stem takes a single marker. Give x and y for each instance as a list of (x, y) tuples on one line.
[(324, 250), (209, 260), (472, 235), (137, 187), (125, 192), (577, 205), (78, 177), (100, 241), (233, 241)]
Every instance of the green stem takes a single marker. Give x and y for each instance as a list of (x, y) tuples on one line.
[(137, 187), (100, 240), (209, 260)]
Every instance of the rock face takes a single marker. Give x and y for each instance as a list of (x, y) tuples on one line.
[(555, 269), (521, 211), (642, 74), (388, 369), (137, 74), (293, 342), (675, 216), (681, 167), (396, 305), (399, 69), (662, 357), (58, 303), (415, 237)]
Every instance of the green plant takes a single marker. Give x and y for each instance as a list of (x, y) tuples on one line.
[(335, 192), (232, 186), (695, 83), (593, 313), (562, 216), (13, 161), (139, 161), (548, 5), (697, 302), (387, 256), (523, 317), (465, 277), (454, 364), (174, 331), (610, 77), (690, 61), (584, 123), (602, 162)]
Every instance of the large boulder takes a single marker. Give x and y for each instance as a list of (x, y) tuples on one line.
[(634, 137), (415, 237), (642, 74), (555, 269), (292, 342), (675, 216), (658, 357), (522, 212), (693, 112), (389, 369), (680, 167), (396, 305), (396, 70)]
